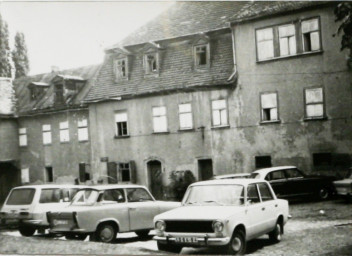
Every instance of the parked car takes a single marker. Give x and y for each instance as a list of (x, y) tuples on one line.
[(103, 211), (222, 213), (344, 187), (26, 206), (289, 182), (231, 176)]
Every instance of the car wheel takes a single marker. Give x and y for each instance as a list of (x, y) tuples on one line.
[(106, 233), (276, 235), (142, 233), (323, 193), (26, 230), (169, 247), (76, 236), (237, 245)]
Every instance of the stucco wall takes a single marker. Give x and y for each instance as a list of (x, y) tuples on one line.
[(8, 139)]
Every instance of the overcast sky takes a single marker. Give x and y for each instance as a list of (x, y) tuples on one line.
[(74, 34)]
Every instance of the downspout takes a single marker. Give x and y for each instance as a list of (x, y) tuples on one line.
[(234, 74)]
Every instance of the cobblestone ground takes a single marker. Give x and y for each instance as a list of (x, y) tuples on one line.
[(316, 228)]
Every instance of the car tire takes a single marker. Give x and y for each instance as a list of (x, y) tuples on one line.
[(323, 193), (79, 237), (106, 233), (26, 230), (237, 244), (169, 247), (142, 233), (276, 235)]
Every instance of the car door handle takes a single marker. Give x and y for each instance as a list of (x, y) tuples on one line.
[(275, 205), (263, 208)]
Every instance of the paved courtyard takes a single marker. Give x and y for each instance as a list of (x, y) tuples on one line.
[(316, 228)]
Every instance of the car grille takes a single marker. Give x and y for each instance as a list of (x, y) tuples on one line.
[(189, 226)]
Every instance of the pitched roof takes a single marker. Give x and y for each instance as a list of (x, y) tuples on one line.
[(46, 102), (188, 18)]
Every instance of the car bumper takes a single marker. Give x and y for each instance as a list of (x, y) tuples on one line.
[(27, 222), (201, 241)]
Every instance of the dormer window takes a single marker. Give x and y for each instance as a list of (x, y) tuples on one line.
[(151, 63), (66, 87), (151, 59), (37, 89), (121, 68), (201, 52), (201, 55)]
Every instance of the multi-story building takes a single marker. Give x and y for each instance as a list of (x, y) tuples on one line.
[(223, 87)]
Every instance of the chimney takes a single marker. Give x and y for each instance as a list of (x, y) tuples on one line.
[(7, 96), (55, 69)]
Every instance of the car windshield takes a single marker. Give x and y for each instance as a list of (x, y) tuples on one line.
[(85, 197), (21, 196), (215, 195)]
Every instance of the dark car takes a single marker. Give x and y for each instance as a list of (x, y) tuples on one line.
[(289, 182)]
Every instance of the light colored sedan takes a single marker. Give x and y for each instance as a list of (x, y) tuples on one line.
[(222, 213), (344, 187), (103, 211)]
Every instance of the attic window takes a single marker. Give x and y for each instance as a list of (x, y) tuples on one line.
[(201, 53), (150, 62), (120, 68)]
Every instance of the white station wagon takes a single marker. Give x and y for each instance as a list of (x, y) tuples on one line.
[(103, 211), (222, 213)]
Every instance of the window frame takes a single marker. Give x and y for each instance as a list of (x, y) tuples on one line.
[(319, 29), (115, 65), (262, 121), (117, 127), (184, 113), (146, 67), (207, 56), (46, 173), (82, 124), (63, 129), (46, 129), (227, 114), (323, 116), (22, 133), (121, 168), (166, 119)]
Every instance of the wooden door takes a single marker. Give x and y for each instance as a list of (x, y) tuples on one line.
[(155, 176)]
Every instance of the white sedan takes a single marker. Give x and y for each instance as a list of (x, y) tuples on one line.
[(222, 213), (103, 211)]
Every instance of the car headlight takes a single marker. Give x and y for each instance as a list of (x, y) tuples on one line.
[(218, 226), (160, 225)]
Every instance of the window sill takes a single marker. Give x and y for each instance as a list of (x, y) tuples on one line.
[(204, 68), (121, 137), (48, 144), (186, 130), (291, 56), (321, 118), (220, 127), (24, 146), (270, 122), (64, 142), (166, 132), (83, 141), (151, 75)]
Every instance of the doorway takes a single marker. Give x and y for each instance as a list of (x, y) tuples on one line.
[(155, 179), (205, 169), (10, 177)]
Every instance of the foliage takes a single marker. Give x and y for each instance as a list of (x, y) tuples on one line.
[(180, 180), (19, 56), (343, 14), (5, 54)]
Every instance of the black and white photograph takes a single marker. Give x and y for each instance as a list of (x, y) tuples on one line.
[(175, 127)]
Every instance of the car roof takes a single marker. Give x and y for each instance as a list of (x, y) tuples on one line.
[(243, 182), (231, 175), (276, 168), (44, 186), (114, 186)]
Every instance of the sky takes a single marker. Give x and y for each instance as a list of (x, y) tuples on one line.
[(73, 34)]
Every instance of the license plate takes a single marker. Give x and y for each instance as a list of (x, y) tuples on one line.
[(186, 240), (60, 222)]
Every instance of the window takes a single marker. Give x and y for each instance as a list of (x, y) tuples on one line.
[(159, 119), (269, 107), (265, 43), (138, 195), (201, 55), (22, 137), (287, 40), (284, 40), (262, 161), (83, 172), (52, 195), (293, 173), (314, 101), (275, 175), (125, 175), (120, 68), (150, 63), (64, 132), (82, 130), (311, 35), (252, 194), (21, 196), (121, 124), (322, 160), (185, 116), (49, 175), (59, 93), (46, 128), (265, 192), (219, 113), (113, 196), (25, 175)]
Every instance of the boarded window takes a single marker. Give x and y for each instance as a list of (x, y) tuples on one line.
[(64, 132), (185, 116), (311, 35), (219, 110), (265, 43), (22, 137), (269, 107), (46, 128), (82, 130), (121, 124), (159, 119), (287, 40), (314, 102)]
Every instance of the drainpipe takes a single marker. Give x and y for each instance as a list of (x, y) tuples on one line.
[(234, 74)]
